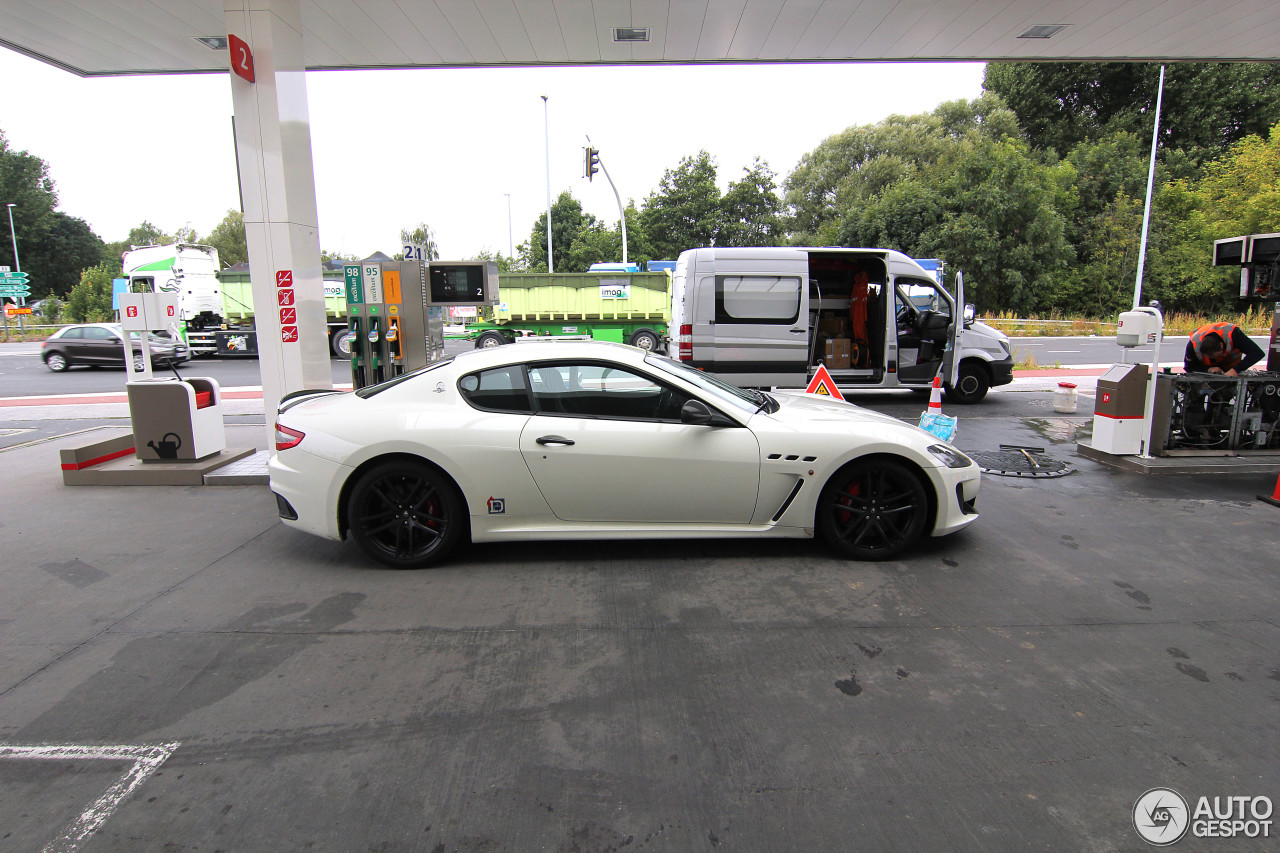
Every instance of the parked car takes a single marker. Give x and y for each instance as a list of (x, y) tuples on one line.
[(592, 440), (103, 343)]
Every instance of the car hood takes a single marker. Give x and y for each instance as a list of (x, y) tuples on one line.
[(797, 406)]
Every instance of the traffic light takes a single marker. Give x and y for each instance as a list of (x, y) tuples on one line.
[(591, 161)]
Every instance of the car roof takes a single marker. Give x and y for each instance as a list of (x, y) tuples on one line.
[(481, 358)]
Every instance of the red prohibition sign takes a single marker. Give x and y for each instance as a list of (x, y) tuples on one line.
[(288, 316), (284, 278), (284, 297), (289, 334)]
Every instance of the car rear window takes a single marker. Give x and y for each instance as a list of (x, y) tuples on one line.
[(502, 389)]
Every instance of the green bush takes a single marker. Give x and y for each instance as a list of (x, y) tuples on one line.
[(90, 300)]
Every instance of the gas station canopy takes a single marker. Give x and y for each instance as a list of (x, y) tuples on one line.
[(91, 38)]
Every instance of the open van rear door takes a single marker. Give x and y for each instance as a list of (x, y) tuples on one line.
[(951, 359)]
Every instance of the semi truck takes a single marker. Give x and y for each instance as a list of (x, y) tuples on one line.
[(188, 270), (215, 306), (624, 307), (873, 318)]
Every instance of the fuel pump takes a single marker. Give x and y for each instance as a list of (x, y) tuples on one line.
[(397, 308)]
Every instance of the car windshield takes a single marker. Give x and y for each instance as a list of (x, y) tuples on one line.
[(747, 401), (370, 390)]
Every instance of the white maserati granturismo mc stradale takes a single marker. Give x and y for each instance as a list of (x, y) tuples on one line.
[(587, 440)]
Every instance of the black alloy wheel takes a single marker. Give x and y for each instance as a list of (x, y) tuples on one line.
[(405, 514), (873, 509)]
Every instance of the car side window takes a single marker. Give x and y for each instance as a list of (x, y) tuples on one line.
[(502, 389), (72, 333), (589, 390), (97, 333)]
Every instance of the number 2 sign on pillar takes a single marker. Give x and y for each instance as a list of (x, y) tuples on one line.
[(241, 57)]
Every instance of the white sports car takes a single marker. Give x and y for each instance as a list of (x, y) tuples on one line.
[(589, 440)]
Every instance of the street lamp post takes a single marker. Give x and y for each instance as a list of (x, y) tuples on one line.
[(511, 250), (546, 130)]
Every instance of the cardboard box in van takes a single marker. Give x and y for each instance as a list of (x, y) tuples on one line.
[(837, 355)]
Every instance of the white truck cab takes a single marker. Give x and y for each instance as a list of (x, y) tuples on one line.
[(769, 317)]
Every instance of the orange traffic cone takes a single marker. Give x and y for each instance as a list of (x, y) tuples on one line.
[(935, 396), (1274, 500)]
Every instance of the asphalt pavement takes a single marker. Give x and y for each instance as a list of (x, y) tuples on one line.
[(178, 670)]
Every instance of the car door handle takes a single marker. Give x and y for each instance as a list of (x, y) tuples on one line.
[(799, 331), (554, 439)]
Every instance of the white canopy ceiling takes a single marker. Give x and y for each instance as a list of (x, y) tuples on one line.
[(97, 37)]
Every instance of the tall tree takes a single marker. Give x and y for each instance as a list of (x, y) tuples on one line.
[(567, 220), (685, 211), (857, 165), (228, 238), (52, 246), (1206, 108), (751, 211)]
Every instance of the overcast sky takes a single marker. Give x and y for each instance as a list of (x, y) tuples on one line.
[(395, 148)]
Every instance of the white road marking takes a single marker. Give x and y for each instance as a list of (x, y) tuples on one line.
[(146, 760)]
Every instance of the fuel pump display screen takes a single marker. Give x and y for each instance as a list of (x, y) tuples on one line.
[(460, 284)]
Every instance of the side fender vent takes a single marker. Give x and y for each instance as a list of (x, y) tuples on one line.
[(791, 497)]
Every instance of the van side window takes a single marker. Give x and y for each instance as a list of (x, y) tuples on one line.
[(757, 299)]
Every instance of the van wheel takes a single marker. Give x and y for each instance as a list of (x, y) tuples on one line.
[(971, 384), (490, 339), (646, 339)]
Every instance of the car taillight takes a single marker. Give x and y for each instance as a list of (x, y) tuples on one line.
[(684, 342), (286, 438)]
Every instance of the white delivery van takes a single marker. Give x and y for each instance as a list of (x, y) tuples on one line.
[(768, 317)]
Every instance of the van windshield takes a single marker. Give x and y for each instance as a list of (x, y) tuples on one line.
[(731, 394)]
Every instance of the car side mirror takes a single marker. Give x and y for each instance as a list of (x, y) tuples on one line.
[(698, 413), (969, 313)]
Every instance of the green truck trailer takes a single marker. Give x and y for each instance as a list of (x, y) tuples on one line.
[(628, 308), (625, 307)]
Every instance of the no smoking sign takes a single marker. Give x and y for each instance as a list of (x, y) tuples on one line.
[(288, 316)]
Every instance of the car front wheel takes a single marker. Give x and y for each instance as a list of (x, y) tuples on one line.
[(57, 362), (873, 509), (405, 514)]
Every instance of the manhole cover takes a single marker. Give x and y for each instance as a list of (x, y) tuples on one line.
[(1018, 463)]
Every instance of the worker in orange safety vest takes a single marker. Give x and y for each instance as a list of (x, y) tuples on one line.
[(1220, 348)]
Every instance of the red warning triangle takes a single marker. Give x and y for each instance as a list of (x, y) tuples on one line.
[(823, 385)]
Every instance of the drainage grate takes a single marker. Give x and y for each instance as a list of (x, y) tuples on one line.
[(1019, 462)]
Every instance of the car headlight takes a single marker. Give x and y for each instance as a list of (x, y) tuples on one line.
[(949, 456)]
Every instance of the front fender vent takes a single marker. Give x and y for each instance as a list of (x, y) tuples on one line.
[(791, 497)]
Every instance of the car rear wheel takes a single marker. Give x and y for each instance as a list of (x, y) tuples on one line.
[(405, 514), (57, 362), (873, 509)]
